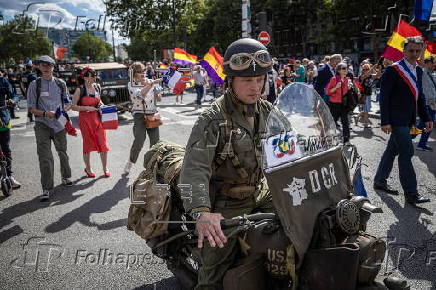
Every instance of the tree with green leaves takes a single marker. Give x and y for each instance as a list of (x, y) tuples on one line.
[(92, 46), (192, 24), (19, 39)]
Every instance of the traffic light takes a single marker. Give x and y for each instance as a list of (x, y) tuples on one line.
[(260, 22)]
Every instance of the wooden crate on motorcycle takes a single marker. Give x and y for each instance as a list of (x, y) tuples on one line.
[(301, 190)]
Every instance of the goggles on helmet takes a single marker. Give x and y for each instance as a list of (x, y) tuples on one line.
[(242, 61)]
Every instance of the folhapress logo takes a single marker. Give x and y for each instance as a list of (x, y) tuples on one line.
[(38, 254), (41, 256)]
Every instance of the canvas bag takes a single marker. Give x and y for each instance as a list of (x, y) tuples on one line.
[(151, 193)]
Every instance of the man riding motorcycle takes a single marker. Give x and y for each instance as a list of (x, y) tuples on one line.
[(221, 175)]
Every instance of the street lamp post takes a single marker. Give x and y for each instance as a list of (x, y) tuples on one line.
[(113, 44), (174, 23)]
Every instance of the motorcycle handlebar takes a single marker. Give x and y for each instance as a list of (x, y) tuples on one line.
[(226, 223)]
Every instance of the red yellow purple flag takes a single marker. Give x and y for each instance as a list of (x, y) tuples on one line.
[(395, 45), (183, 58), (431, 49), (212, 63)]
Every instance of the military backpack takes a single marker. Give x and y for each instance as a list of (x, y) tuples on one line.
[(150, 194)]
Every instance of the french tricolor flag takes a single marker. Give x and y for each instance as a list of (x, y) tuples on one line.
[(171, 78), (109, 117), (64, 119)]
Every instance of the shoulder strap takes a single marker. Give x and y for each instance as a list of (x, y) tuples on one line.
[(62, 87), (82, 94), (38, 91), (227, 150)]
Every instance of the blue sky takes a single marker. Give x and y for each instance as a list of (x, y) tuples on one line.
[(62, 13)]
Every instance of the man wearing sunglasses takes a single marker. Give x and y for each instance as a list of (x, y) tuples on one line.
[(221, 173)]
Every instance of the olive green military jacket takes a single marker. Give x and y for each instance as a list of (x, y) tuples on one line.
[(206, 144)]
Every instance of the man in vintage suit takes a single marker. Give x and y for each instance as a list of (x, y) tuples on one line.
[(401, 97), (325, 73)]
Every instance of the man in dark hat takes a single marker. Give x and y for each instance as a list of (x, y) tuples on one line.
[(223, 185), (45, 96)]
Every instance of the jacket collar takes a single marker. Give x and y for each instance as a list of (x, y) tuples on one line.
[(237, 110)]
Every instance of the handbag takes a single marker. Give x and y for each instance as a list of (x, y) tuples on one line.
[(151, 120), (349, 99)]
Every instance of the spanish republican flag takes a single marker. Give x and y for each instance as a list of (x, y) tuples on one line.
[(431, 49), (394, 49), (183, 58), (162, 68), (213, 65)]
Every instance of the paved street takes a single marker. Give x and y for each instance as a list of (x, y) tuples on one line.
[(79, 239)]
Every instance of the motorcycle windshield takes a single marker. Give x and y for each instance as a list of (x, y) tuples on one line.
[(301, 125), (303, 166)]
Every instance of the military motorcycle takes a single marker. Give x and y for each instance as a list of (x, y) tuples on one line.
[(316, 238)]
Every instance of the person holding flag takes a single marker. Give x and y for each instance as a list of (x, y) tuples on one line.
[(86, 100), (45, 96), (401, 97), (144, 104)]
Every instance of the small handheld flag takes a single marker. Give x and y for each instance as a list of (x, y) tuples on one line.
[(358, 185), (109, 117), (171, 78), (63, 118)]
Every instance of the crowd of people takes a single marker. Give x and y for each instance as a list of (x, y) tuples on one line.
[(334, 78)]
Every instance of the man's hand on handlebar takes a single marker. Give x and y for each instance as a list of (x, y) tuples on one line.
[(208, 226)]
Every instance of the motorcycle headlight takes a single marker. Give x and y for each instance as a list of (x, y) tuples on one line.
[(112, 93), (104, 92)]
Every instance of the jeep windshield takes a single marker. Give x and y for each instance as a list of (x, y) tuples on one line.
[(113, 74)]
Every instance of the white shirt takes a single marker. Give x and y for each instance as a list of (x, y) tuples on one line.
[(199, 78), (411, 67), (137, 98)]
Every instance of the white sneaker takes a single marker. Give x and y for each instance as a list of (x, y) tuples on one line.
[(128, 167), (45, 195), (15, 184)]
